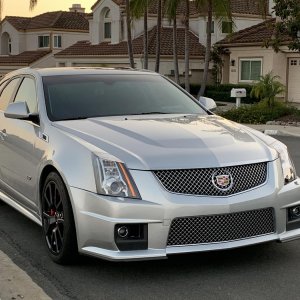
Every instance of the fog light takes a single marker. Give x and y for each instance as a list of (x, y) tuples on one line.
[(123, 232), (293, 218), (130, 237), (294, 213)]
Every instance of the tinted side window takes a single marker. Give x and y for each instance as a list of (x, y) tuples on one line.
[(27, 94), (7, 93)]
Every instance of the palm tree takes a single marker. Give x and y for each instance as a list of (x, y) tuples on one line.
[(32, 4), (187, 46), (171, 9), (129, 37), (220, 9), (138, 9), (158, 35), (267, 88)]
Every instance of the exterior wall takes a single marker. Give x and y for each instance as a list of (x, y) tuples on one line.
[(240, 23), (22, 42), (271, 5), (97, 32), (165, 68), (14, 35), (271, 62), (267, 56), (46, 62), (279, 66), (68, 38), (138, 26)]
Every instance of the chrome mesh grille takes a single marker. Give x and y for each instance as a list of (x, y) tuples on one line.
[(221, 228), (200, 181)]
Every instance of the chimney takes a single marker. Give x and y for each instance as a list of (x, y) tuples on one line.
[(77, 8)]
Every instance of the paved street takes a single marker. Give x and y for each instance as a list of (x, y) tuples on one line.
[(269, 271)]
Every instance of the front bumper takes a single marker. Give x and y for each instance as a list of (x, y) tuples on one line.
[(96, 216)]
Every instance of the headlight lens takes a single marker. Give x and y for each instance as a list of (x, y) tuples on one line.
[(288, 168), (113, 179)]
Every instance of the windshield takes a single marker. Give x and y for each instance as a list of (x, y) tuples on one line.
[(71, 97)]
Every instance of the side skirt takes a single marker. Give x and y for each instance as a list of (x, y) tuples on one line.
[(32, 216)]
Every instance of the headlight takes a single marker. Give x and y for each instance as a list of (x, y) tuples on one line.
[(113, 179), (288, 168)]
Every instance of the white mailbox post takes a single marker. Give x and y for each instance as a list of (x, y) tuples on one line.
[(238, 94)]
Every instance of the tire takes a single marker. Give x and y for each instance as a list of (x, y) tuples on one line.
[(58, 221)]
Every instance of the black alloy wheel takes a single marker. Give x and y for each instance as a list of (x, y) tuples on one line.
[(58, 220)]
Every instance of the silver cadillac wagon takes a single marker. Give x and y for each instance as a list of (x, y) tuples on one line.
[(125, 165)]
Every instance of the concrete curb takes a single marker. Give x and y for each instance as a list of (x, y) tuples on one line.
[(277, 130), (15, 284)]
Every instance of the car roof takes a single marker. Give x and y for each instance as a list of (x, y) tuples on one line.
[(81, 71)]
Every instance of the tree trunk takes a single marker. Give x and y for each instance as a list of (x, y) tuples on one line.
[(208, 49), (146, 38), (175, 51), (158, 39), (129, 37), (187, 46)]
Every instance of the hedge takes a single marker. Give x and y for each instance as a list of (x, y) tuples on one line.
[(222, 92)]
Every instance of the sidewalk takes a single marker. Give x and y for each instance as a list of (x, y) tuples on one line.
[(15, 284)]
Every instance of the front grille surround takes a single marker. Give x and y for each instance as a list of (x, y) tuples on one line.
[(199, 182), (197, 230)]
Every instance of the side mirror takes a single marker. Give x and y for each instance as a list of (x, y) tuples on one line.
[(17, 110), (208, 103)]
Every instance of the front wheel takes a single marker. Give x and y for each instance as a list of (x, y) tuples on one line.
[(58, 221)]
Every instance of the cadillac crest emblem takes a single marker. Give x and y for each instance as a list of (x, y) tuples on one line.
[(222, 181)]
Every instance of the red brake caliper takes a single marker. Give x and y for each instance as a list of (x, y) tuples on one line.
[(52, 212)]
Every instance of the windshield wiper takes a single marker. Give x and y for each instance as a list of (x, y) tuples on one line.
[(75, 118), (154, 113)]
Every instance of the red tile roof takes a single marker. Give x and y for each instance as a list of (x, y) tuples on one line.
[(256, 35), (18, 22), (23, 59), (85, 48), (54, 20), (248, 7)]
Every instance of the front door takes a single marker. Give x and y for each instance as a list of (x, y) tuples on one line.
[(19, 167)]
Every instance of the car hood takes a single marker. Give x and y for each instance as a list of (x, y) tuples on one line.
[(170, 142)]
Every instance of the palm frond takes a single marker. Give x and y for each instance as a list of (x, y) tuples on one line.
[(32, 4)]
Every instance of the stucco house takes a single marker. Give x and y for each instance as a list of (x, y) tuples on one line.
[(107, 45), (34, 41), (247, 58)]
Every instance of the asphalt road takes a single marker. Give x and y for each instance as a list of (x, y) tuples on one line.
[(268, 271)]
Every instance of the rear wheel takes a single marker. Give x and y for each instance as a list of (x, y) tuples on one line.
[(58, 221)]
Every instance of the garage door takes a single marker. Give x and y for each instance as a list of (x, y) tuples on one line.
[(294, 80)]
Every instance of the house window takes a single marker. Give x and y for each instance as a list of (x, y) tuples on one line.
[(57, 41), (250, 69), (294, 62), (107, 25), (226, 27), (44, 41), (212, 27)]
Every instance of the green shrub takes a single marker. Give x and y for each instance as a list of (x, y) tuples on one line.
[(259, 113), (222, 92)]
